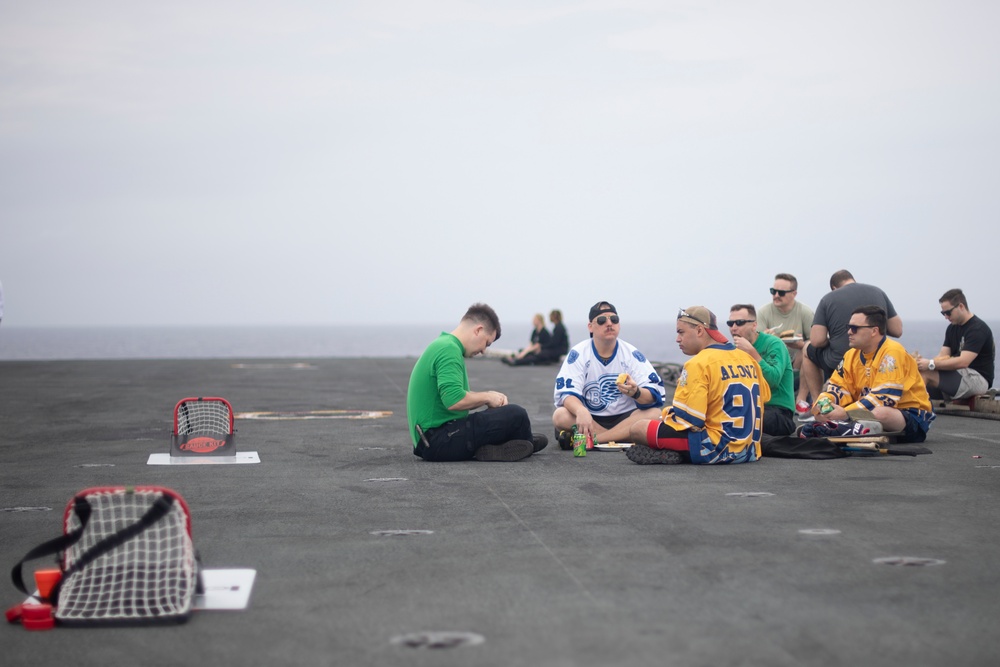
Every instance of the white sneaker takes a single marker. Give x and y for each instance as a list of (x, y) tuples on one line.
[(804, 414)]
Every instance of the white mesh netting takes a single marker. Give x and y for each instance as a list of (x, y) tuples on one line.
[(152, 575), (203, 416)]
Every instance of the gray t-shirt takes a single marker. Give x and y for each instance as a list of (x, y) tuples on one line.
[(834, 313)]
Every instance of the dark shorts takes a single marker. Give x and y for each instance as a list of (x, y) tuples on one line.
[(917, 423), (823, 357), (610, 421)]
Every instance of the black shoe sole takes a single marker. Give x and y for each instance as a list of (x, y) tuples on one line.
[(644, 455), (512, 450)]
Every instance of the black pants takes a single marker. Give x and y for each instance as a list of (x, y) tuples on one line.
[(778, 421), (458, 440)]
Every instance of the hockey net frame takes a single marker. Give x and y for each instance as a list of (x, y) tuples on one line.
[(209, 415), (150, 575)]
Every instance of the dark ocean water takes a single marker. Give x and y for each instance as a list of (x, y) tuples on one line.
[(656, 340)]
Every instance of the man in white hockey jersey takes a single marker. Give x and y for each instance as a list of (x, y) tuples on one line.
[(605, 384)]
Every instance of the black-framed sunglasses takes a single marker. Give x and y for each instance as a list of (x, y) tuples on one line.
[(853, 328), (738, 323), (781, 292), (947, 313), (683, 313), (604, 318)]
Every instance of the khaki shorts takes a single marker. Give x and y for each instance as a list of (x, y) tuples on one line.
[(960, 384)]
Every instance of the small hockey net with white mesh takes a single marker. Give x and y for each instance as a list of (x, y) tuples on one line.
[(203, 416), (150, 575)]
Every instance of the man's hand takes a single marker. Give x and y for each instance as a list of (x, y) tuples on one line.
[(838, 414), (743, 344), (585, 423), (494, 399)]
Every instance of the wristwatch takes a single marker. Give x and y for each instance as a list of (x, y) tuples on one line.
[(930, 365)]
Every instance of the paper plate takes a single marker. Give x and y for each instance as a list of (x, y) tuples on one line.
[(612, 446)]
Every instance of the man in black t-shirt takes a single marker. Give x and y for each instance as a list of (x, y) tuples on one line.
[(965, 365)]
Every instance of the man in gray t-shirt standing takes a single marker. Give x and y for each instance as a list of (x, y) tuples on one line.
[(828, 336)]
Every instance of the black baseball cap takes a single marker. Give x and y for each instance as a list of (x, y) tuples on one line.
[(601, 307)]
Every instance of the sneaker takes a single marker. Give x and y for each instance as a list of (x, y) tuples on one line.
[(565, 438), (539, 441), (847, 429), (803, 410), (512, 450), (645, 455)]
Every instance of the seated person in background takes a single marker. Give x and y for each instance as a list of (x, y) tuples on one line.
[(539, 337), (718, 406), (788, 318), (588, 393), (877, 374), (771, 355), (965, 365), (558, 344)]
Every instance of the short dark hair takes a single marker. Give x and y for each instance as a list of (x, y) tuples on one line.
[(748, 306), (555, 315), (480, 313), (790, 278), (874, 316), (839, 278), (955, 297)]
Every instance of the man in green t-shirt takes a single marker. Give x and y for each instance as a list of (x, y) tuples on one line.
[(438, 401), (775, 363)]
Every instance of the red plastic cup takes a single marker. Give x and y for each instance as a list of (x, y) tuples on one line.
[(46, 580)]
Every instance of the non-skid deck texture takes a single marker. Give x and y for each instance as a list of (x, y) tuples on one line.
[(554, 560)]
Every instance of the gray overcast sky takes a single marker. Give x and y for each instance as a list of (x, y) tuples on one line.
[(394, 161)]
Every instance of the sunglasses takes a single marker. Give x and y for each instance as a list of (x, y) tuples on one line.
[(853, 328), (947, 313), (684, 313), (781, 292), (738, 323), (604, 318)]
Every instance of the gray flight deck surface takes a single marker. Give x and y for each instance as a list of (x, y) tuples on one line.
[(553, 560)]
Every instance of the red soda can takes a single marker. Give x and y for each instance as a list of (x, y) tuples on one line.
[(590, 441)]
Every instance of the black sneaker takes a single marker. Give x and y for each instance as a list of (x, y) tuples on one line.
[(512, 450), (539, 441), (644, 455), (565, 438)]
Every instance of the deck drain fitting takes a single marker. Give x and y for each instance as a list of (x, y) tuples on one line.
[(387, 479), (27, 509), (908, 561), (438, 639), (401, 533), (819, 531), (751, 494)]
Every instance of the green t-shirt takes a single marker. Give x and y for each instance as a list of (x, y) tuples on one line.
[(776, 365), (439, 379)]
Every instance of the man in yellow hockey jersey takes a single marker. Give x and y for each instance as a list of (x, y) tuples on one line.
[(877, 374), (718, 406)]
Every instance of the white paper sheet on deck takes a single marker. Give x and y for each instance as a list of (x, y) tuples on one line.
[(225, 589), (164, 459)]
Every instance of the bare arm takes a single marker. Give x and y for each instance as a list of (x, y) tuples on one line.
[(894, 327), (477, 399), (819, 336)]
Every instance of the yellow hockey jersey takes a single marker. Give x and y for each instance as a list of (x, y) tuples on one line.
[(889, 378), (720, 392)]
